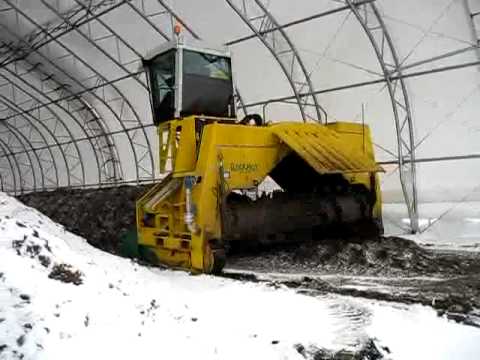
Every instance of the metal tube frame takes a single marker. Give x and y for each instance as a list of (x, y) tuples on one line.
[(270, 33), (15, 128), (29, 167), (125, 103), (5, 149), (30, 122), (383, 46), (42, 121), (77, 156), (472, 18)]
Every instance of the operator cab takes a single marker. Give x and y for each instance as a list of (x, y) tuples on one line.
[(188, 80)]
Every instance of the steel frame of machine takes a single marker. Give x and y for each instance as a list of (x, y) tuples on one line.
[(41, 97)]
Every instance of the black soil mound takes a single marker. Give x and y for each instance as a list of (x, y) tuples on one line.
[(102, 216)]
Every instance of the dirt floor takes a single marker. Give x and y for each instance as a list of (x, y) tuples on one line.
[(379, 256), (384, 268)]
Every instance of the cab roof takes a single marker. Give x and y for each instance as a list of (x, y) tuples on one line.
[(194, 45)]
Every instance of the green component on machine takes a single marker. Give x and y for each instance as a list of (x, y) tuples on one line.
[(129, 244), (130, 248)]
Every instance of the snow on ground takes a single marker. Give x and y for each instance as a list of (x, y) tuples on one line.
[(443, 225), (122, 310), (415, 332)]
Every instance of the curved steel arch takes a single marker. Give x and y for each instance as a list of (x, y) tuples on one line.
[(120, 117), (91, 118), (111, 154), (37, 39), (90, 40), (14, 128), (58, 120), (7, 157), (118, 39), (8, 154), (372, 23), (75, 112), (48, 146), (18, 137), (116, 62), (265, 27)]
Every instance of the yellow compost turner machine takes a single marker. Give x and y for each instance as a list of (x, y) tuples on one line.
[(209, 201)]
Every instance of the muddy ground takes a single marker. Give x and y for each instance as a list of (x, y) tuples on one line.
[(383, 268), (375, 256)]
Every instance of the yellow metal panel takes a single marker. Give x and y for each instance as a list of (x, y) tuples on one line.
[(324, 149), (175, 259), (167, 145), (225, 156), (247, 166), (186, 158)]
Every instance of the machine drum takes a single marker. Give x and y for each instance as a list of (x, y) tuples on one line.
[(283, 216)]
